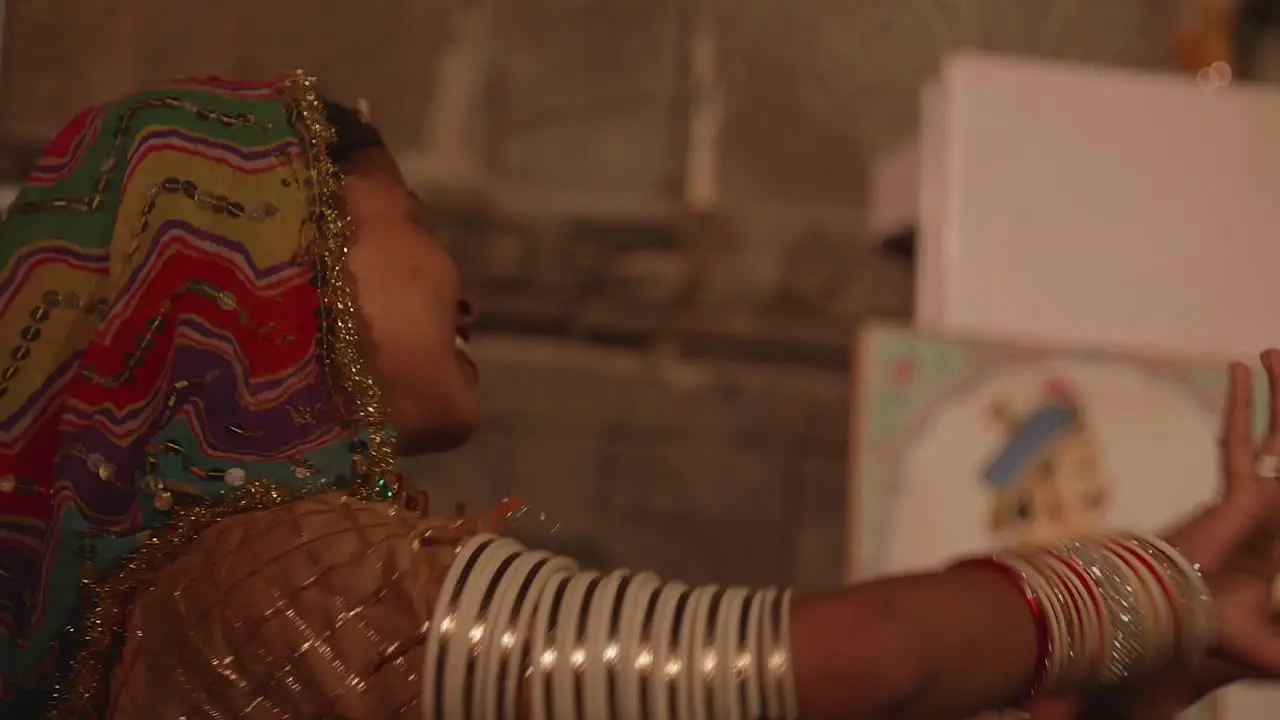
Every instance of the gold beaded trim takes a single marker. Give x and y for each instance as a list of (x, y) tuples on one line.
[(329, 255), (111, 598)]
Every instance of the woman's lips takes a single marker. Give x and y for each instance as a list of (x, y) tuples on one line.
[(463, 346)]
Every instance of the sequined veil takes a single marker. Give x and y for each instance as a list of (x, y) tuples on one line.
[(181, 346)]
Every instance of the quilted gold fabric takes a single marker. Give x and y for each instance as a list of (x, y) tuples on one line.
[(315, 609)]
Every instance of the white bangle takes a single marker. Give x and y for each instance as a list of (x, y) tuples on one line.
[(1200, 623), (590, 646)]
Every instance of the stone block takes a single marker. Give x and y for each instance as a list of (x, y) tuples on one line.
[(726, 472)]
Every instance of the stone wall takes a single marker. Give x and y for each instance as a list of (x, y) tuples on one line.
[(556, 137), (708, 471), (680, 181)]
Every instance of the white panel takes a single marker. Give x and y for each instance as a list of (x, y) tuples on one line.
[(1108, 208)]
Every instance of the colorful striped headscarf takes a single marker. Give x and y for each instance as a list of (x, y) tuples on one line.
[(180, 345)]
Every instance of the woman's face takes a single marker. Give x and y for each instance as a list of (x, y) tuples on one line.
[(418, 320)]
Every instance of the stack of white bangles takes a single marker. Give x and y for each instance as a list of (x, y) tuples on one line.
[(530, 635)]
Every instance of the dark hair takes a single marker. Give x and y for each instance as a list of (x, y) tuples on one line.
[(352, 134)]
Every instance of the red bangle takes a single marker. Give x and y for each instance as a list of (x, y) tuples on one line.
[(1124, 551), (1043, 642), (1096, 604)]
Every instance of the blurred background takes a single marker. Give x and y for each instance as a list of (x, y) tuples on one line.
[(661, 204)]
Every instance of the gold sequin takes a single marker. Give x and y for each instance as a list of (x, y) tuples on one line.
[(304, 468), (164, 500), (8, 483), (203, 199), (237, 429), (301, 415)]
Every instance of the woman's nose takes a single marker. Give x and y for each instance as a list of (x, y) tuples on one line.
[(468, 312)]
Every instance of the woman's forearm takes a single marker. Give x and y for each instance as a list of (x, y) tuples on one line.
[(944, 645), (515, 630)]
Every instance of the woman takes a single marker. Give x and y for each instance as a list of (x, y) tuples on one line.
[(221, 304)]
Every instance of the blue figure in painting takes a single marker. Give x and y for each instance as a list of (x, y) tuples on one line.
[(1047, 479)]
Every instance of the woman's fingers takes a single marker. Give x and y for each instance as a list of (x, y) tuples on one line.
[(1241, 531), (1237, 433), (1268, 464), (1213, 537)]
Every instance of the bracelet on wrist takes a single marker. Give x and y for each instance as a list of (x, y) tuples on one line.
[(1107, 609)]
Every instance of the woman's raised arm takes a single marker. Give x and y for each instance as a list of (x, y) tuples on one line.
[(524, 634)]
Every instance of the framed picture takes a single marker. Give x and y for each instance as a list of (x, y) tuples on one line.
[(963, 445)]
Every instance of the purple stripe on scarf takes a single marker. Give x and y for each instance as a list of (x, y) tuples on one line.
[(189, 362), (189, 138), (33, 254), (42, 393), (165, 234), (217, 411)]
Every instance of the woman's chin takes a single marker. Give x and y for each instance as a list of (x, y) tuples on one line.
[(437, 438)]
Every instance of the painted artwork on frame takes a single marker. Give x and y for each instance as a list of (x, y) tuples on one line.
[(964, 445)]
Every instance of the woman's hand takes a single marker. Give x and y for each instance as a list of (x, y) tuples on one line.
[(1235, 541), (1235, 544)]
